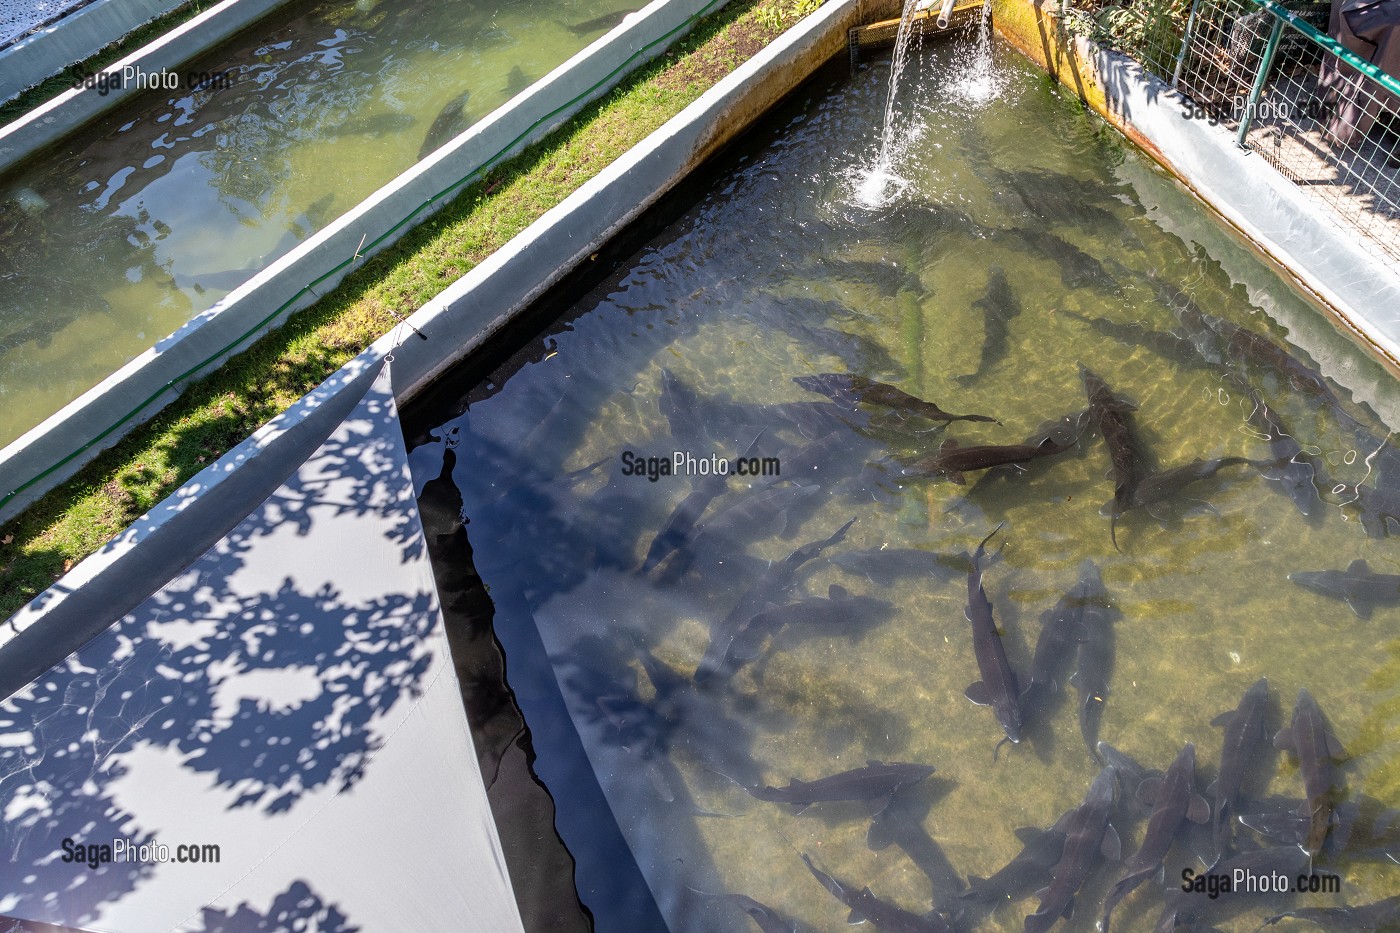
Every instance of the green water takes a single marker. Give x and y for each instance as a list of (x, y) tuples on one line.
[(142, 220), (722, 300)]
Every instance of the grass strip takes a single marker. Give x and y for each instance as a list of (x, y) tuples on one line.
[(215, 414)]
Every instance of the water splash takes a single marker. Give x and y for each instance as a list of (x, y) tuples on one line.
[(881, 184), (978, 80)]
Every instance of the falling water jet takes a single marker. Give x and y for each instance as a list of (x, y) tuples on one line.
[(881, 184), (978, 81)]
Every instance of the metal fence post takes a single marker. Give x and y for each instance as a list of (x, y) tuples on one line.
[(1254, 93), (1185, 44)]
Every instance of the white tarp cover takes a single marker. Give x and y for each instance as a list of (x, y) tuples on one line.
[(287, 697)]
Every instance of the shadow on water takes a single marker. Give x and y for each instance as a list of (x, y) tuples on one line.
[(689, 336)]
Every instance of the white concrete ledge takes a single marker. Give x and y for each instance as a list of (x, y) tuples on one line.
[(74, 38), (1327, 259), (455, 323), (49, 123), (55, 449)]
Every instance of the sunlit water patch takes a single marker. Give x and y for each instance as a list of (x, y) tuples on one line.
[(1030, 241), (143, 219)]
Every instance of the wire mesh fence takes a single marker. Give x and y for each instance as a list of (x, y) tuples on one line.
[(1325, 117)]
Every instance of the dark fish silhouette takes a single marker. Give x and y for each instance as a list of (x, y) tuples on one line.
[(599, 23), (901, 823), (1176, 800), (451, 120), (999, 307), (837, 613), (850, 390), (1184, 908), (767, 919), (1064, 432), (888, 278), (1363, 829), (1169, 346), (1061, 631), (1268, 356), (1095, 658), (1311, 740), (1077, 268), (375, 125), (831, 457), (681, 523), (998, 687), (772, 587), (1111, 415), (1379, 507), (1032, 868), (1088, 834), (516, 82), (1131, 775), (875, 784), (1365, 918), (886, 917), (1358, 586), (1244, 731), (1158, 487), (854, 350), (1288, 464), (680, 526), (1202, 337), (956, 462)]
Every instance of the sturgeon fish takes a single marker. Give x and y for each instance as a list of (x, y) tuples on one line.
[(886, 917), (1111, 415), (1088, 834), (771, 587), (955, 462), (1311, 740), (1176, 801), (849, 390), (1095, 658), (1061, 631), (875, 783), (999, 307), (1358, 586), (1363, 918), (1244, 730), (1157, 487), (1032, 868), (998, 687), (1288, 465)]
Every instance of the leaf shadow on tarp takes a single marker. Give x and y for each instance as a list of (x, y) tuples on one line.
[(200, 672)]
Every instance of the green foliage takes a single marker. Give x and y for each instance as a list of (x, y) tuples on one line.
[(1149, 30), (778, 14)]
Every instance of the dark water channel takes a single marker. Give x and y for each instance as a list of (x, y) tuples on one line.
[(799, 626), (141, 220)]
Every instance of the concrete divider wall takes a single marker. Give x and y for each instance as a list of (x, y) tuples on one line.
[(49, 123), (54, 450), (456, 322), (75, 37), (1325, 261)]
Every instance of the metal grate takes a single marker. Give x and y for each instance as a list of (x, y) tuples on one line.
[(18, 18), (1324, 117)]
